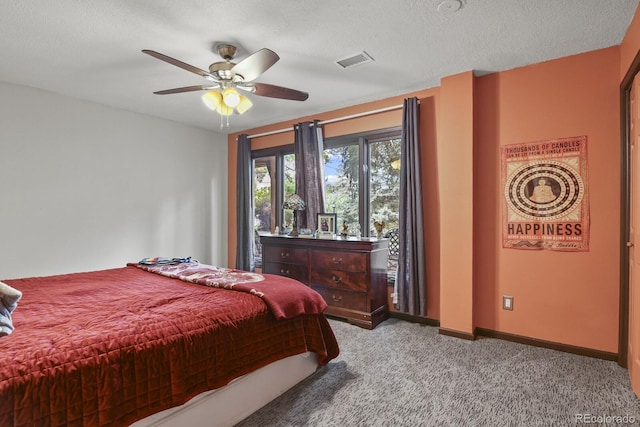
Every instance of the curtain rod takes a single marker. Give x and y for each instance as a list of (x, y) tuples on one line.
[(338, 119)]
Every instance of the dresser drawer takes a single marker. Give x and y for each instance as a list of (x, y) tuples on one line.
[(295, 271), (339, 279), (285, 254), (344, 299), (338, 260)]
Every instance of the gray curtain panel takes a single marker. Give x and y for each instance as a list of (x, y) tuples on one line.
[(307, 147), (244, 258), (411, 280)]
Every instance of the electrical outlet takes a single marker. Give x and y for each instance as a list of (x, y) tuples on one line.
[(507, 302)]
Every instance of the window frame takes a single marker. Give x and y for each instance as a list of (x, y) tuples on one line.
[(364, 140), (279, 153)]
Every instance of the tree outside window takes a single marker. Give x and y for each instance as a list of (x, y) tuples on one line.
[(384, 183), (362, 180)]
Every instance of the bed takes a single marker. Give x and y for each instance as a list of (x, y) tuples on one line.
[(117, 346)]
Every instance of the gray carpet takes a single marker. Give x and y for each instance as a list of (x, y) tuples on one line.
[(406, 374)]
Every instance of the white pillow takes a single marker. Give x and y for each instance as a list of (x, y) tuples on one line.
[(9, 298)]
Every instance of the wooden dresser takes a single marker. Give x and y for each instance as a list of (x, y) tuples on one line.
[(350, 274)]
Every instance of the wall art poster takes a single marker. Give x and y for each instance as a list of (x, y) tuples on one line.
[(546, 198)]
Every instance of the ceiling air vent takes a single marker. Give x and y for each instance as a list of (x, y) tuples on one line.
[(354, 60)]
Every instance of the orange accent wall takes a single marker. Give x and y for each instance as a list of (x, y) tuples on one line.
[(569, 298), (564, 297), (431, 199), (455, 160)]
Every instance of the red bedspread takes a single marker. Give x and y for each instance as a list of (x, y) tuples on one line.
[(114, 346)]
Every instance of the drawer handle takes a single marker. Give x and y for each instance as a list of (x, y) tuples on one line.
[(284, 254), (336, 299), (337, 280), (284, 272), (336, 260)]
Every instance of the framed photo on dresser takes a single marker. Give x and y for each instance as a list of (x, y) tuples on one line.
[(327, 225)]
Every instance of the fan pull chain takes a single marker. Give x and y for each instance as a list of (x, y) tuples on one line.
[(222, 123)]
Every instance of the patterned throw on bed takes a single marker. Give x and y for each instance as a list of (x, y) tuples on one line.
[(282, 297)]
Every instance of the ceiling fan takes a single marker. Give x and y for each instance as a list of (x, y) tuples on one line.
[(226, 76)]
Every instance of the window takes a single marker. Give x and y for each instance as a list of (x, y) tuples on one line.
[(264, 169), (384, 182), (362, 180), (289, 183), (273, 176), (342, 182)]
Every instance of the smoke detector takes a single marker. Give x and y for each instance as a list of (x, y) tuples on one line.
[(450, 6)]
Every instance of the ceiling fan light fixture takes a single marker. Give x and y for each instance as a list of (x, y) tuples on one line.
[(231, 97), (212, 99), (244, 104)]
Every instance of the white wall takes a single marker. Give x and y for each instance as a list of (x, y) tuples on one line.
[(86, 187)]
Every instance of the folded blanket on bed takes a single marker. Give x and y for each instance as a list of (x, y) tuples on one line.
[(285, 297), (164, 261), (9, 298)]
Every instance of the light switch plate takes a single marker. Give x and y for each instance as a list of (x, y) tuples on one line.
[(507, 302)]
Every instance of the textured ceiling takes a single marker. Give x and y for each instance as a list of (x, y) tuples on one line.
[(91, 50)]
